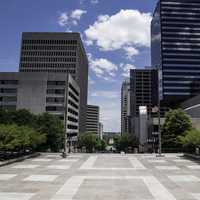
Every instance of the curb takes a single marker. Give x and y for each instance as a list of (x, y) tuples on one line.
[(19, 159), (193, 156)]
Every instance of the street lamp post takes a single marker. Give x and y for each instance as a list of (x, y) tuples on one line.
[(159, 124), (64, 154)]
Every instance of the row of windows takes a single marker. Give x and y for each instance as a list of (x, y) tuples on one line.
[(182, 4), (49, 70), (49, 41), (177, 10), (73, 127), (180, 55), (8, 90), (181, 61), (72, 104), (55, 100), (181, 50), (181, 68), (72, 119), (73, 96), (48, 53), (49, 48), (55, 91), (180, 25), (54, 108), (176, 16), (182, 40), (56, 83), (48, 65), (47, 59), (8, 99), (73, 89), (72, 111), (8, 82)]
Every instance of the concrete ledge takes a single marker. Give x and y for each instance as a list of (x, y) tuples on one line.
[(8, 162), (193, 156)]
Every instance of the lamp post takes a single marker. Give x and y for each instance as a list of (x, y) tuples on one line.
[(64, 154), (159, 124)]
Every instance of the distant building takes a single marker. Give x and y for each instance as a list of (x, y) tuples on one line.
[(56, 52), (42, 92), (92, 120), (100, 130), (144, 94), (175, 41), (125, 107)]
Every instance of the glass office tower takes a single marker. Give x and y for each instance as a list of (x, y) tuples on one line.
[(175, 47)]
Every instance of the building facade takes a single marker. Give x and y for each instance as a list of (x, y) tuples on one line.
[(57, 53), (125, 106), (192, 108), (100, 130), (175, 43), (143, 96), (92, 120), (57, 94)]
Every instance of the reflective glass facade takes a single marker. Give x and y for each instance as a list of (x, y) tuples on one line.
[(176, 47)]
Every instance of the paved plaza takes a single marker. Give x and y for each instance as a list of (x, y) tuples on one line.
[(101, 177)]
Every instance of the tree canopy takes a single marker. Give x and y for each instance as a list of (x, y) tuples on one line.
[(177, 122), (23, 120), (91, 142), (125, 142)]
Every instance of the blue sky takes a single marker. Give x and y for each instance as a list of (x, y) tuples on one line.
[(116, 35)]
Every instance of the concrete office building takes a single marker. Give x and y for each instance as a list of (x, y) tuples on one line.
[(92, 120), (125, 107), (175, 48), (42, 92), (56, 52)]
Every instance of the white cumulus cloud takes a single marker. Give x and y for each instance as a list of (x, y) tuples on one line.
[(94, 1), (67, 19), (126, 69), (124, 29), (102, 67), (131, 52)]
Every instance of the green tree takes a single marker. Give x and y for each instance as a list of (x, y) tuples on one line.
[(23, 117), (19, 138), (53, 127), (20, 117), (90, 141), (125, 142), (177, 122), (191, 138)]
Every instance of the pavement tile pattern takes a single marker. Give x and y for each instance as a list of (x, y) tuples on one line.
[(101, 177)]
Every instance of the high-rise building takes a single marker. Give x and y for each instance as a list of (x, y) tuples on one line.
[(57, 53), (175, 48), (55, 93), (125, 106), (92, 120)]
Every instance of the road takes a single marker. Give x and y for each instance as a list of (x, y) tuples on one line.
[(101, 177)]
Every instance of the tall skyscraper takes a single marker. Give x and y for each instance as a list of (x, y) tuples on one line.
[(176, 48), (57, 53), (125, 106), (143, 97), (92, 121)]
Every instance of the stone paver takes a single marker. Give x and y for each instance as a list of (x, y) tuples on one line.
[(101, 177)]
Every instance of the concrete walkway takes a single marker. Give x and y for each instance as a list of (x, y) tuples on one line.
[(101, 177)]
